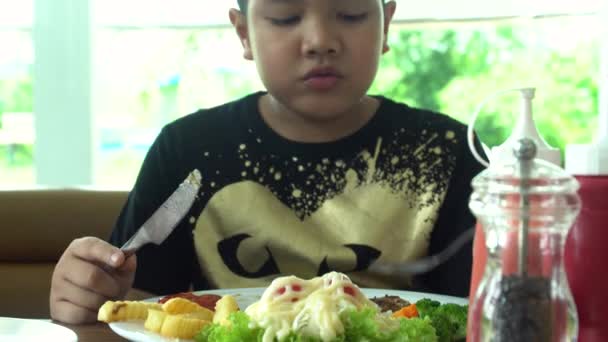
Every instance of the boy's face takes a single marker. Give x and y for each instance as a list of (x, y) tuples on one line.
[(316, 57)]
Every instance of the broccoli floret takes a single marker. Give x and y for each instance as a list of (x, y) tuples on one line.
[(426, 307), (457, 315), (449, 320)]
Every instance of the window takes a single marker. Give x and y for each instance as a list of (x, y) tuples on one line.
[(16, 91), (154, 61), (154, 76), (453, 68)]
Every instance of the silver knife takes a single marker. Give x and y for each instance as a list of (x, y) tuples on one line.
[(164, 220)]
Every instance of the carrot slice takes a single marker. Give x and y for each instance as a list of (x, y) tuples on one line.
[(409, 311)]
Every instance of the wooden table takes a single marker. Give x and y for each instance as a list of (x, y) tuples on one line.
[(96, 332)]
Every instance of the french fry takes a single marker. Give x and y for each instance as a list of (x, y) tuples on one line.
[(178, 305), (112, 311), (205, 315), (182, 326), (176, 318), (154, 321), (223, 308)]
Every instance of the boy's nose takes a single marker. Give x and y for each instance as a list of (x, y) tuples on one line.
[(320, 40)]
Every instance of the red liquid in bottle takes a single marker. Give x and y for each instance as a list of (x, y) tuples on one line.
[(586, 255)]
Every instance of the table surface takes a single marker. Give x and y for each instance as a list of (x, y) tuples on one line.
[(96, 332)]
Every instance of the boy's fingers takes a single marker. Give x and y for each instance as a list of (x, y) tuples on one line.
[(96, 250), (89, 272), (85, 275), (128, 266), (78, 296), (67, 312)]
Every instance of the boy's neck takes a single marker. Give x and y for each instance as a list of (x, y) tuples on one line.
[(302, 129)]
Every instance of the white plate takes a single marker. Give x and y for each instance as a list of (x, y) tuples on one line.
[(136, 332), (30, 330)]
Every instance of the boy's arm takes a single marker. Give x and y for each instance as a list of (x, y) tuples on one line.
[(455, 217), (166, 268)]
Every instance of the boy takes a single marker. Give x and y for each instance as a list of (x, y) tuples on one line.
[(311, 176)]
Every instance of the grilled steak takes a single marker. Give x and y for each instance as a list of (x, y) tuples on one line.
[(390, 303)]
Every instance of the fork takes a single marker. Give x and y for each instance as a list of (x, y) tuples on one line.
[(425, 264), (164, 220)]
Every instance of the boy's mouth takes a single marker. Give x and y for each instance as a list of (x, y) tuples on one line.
[(322, 78)]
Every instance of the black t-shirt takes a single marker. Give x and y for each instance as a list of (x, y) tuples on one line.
[(395, 190)]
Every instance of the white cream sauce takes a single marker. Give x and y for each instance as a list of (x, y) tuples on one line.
[(310, 307)]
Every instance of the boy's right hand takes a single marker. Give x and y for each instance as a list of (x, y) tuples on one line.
[(90, 272)]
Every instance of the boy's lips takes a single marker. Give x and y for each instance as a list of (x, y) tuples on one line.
[(322, 78)]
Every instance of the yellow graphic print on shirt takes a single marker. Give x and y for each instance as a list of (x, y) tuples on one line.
[(246, 236)]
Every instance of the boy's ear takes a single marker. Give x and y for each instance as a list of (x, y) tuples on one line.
[(389, 12), (239, 21)]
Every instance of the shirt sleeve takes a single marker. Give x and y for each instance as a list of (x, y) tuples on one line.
[(454, 276), (166, 268)]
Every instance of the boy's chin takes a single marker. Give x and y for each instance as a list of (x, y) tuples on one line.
[(324, 107), (322, 116)]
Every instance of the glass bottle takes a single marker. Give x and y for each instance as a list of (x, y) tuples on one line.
[(526, 207)]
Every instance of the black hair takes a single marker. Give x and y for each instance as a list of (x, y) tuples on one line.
[(243, 5)]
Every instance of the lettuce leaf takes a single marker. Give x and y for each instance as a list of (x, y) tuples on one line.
[(238, 331), (363, 326), (359, 326)]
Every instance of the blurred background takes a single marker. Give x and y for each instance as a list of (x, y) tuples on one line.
[(86, 85)]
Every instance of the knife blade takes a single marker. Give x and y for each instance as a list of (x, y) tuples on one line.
[(164, 220)]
